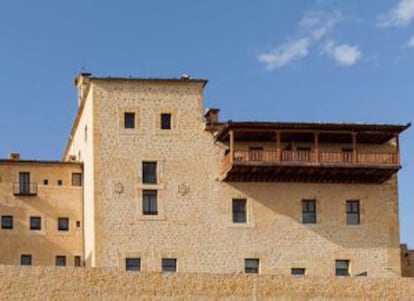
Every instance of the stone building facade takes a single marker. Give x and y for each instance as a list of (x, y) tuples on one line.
[(165, 189)]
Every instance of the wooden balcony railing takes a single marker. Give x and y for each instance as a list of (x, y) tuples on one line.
[(310, 158)]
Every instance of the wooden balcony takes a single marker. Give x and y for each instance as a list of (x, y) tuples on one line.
[(309, 166)]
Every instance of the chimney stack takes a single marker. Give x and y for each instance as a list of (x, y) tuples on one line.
[(211, 115), (81, 81), (14, 156)]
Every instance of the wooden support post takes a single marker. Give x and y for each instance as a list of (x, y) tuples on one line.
[(278, 146), (231, 134), (354, 148), (316, 135)]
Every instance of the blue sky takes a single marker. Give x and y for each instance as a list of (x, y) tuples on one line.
[(309, 60)]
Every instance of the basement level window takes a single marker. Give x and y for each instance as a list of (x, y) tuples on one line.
[(165, 121), (60, 260), (129, 120), (25, 259), (298, 271), (7, 222), (133, 264), (251, 265), (63, 224), (169, 265), (77, 261)]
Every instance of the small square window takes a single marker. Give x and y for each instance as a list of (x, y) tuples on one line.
[(63, 224), (149, 202), (78, 224), (132, 264), (129, 120), (149, 172), (26, 259), (60, 260), (169, 265), (298, 271), (165, 121), (239, 210), (7, 222), (309, 211), (77, 261), (352, 213), (251, 265), (45, 182), (59, 182), (35, 223), (342, 267), (76, 179)]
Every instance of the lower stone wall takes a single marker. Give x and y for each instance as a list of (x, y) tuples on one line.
[(66, 283)]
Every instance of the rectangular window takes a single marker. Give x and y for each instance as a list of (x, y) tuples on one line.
[(76, 179), (298, 271), (77, 261), (45, 182), (239, 211), (149, 202), (59, 182), (35, 223), (309, 211), (25, 259), (60, 260), (24, 182), (63, 224), (7, 222), (352, 212), (165, 121), (342, 267), (129, 120), (132, 264), (169, 265), (251, 265), (149, 172)]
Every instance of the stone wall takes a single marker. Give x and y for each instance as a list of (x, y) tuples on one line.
[(53, 283)]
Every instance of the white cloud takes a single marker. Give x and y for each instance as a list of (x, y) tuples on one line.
[(400, 15), (343, 54), (411, 42)]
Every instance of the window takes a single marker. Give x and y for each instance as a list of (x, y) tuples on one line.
[(45, 182), (7, 222), (24, 182), (59, 182), (132, 264), (60, 260), (298, 271), (342, 267), (63, 224), (77, 261), (76, 179), (352, 212), (149, 202), (169, 265), (251, 265), (309, 211), (35, 223), (25, 259), (149, 172), (239, 211), (129, 120), (165, 121), (78, 224)]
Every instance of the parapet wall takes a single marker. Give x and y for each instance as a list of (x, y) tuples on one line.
[(67, 283)]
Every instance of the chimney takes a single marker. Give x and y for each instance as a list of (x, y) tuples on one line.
[(81, 81), (14, 156), (211, 115), (185, 76)]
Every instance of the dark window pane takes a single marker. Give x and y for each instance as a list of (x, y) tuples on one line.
[(59, 182), (35, 223), (149, 172), (165, 121), (251, 265), (24, 183), (76, 179), (149, 202), (45, 182), (239, 210), (169, 265), (308, 211), (63, 224), (352, 212), (26, 259), (298, 271), (342, 267), (60, 260), (129, 120), (7, 222), (77, 261), (132, 264)]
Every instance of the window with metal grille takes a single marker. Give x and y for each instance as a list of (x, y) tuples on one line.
[(239, 211), (309, 211), (352, 212), (251, 265), (169, 265), (149, 202), (132, 264), (149, 172), (342, 267)]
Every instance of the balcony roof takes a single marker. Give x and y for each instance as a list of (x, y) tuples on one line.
[(333, 132)]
